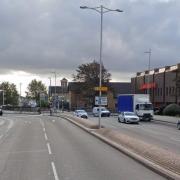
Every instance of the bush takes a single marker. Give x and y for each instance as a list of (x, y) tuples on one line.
[(172, 110)]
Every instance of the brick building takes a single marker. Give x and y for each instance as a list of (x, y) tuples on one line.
[(70, 91), (163, 84)]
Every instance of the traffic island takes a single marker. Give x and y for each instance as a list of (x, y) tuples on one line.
[(161, 161)]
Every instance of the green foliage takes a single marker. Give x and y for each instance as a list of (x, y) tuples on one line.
[(35, 88), (88, 76), (44, 103), (10, 93), (172, 110)]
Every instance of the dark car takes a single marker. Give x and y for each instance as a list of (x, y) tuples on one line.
[(178, 124), (1, 112)]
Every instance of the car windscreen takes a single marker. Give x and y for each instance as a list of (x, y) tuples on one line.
[(129, 114), (80, 111), (146, 107)]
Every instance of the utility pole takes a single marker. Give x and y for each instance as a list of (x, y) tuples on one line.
[(101, 10), (149, 66)]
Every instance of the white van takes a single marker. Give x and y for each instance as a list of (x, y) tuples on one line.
[(104, 112)]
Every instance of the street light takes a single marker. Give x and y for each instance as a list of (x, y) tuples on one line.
[(49, 87), (101, 9), (149, 66)]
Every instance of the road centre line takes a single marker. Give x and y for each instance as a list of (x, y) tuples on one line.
[(45, 135), (49, 148), (54, 171)]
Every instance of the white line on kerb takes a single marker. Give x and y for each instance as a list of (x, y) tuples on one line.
[(45, 135), (54, 171), (49, 148)]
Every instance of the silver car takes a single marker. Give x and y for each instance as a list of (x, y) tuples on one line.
[(81, 113), (128, 117)]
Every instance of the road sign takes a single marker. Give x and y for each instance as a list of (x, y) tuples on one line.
[(102, 88), (101, 101)]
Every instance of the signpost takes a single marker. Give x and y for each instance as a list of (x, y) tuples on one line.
[(102, 88), (101, 101)]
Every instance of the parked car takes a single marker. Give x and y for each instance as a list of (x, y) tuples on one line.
[(81, 113), (178, 124), (104, 112), (1, 112), (128, 117)]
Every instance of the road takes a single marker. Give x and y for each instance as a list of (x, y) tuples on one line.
[(164, 135), (50, 148)]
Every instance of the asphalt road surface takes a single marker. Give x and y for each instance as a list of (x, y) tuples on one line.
[(50, 148), (164, 135)]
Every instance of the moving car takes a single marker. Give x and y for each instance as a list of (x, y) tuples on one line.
[(178, 124), (81, 113), (1, 112), (104, 112), (128, 117)]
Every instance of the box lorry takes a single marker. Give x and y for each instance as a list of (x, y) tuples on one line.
[(138, 103)]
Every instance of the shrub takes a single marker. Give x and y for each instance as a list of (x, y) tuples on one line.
[(172, 110)]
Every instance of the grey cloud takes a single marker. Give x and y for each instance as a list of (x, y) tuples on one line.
[(44, 35)]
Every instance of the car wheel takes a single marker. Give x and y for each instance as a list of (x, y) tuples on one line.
[(124, 120), (178, 126), (119, 120)]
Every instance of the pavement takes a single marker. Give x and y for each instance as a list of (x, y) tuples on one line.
[(167, 119)]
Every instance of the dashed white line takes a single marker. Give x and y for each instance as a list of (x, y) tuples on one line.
[(54, 171), (49, 148), (45, 135), (44, 129)]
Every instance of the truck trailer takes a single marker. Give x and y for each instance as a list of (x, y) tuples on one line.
[(138, 103)]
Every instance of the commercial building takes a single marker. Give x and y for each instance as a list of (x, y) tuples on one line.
[(163, 84)]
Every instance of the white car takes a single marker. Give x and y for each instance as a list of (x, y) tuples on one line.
[(81, 113), (104, 112), (128, 117)]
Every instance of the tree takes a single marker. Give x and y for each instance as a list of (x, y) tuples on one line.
[(10, 93), (35, 88), (88, 76)]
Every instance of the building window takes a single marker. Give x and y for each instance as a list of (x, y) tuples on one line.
[(173, 92), (160, 91), (169, 90), (166, 91)]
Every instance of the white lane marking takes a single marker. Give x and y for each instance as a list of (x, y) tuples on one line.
[(53, 120), (44, 129), (54, 171), (45, 135), (49, 148)]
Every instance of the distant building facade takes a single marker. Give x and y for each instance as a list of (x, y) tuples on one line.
[(163, 84), (71, 93)]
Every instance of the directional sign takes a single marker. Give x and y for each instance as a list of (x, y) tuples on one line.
[(101, 101), (102, 88)]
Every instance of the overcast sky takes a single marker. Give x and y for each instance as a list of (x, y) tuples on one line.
[(38, 37)]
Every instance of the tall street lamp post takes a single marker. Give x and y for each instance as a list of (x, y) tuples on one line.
[(149, 66), (55, 86), (49, 88), (102, 10)]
